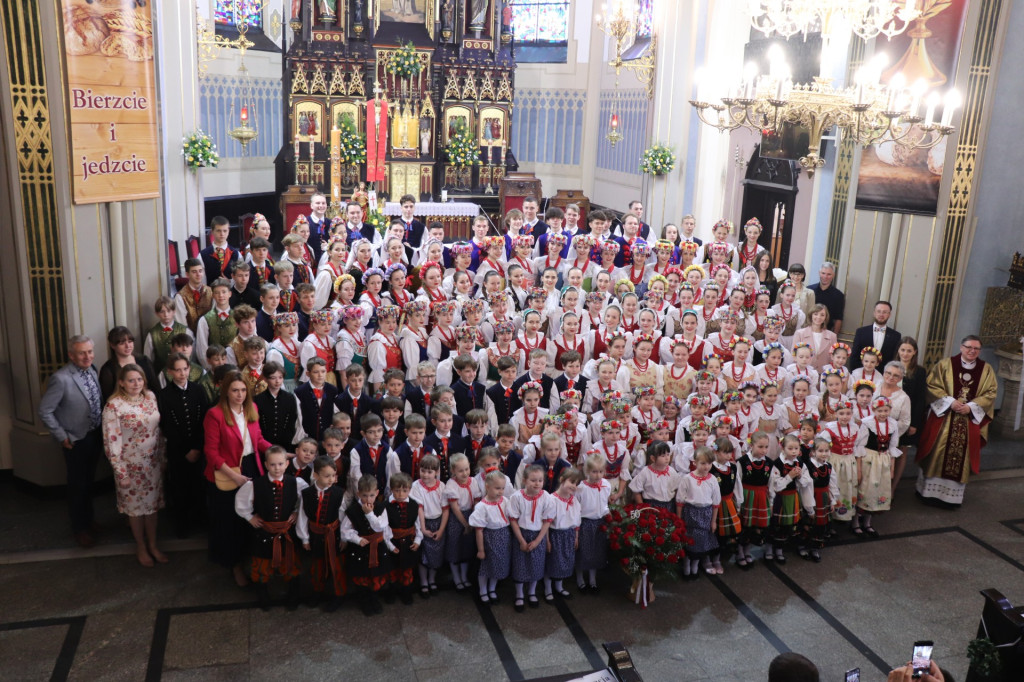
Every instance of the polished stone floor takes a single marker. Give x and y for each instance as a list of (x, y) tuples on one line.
[(96, 615)]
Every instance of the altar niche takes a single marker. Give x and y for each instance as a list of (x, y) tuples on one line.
[(343, 65)]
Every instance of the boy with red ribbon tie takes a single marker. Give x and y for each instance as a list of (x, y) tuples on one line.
[(365, 529), (318, 529)]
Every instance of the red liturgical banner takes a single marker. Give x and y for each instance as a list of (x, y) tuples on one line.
[(376, 139)]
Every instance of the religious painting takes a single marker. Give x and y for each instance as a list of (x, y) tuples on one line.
[(891, 177), (308, 121), (345, 114), (455, 118), (403, 11), (491, 131)]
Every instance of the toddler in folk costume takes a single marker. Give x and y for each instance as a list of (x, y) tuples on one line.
[(875, 449)]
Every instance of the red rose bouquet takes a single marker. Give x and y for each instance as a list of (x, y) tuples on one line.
[(647, 541)]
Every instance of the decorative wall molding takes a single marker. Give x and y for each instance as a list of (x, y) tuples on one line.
[(547, 126), (634, 109)]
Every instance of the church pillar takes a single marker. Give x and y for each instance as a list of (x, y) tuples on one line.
[(60, 274)]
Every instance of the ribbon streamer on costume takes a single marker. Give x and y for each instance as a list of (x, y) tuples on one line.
[(374, 539), (1020, 391), (329, 531), (283, 556), (641, 590)]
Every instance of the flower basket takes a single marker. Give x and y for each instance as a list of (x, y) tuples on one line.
[(649, 543), (462, 149), (199, 151), (657, 160), (405, 62)]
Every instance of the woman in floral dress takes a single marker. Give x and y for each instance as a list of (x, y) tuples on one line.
[(134, 446)]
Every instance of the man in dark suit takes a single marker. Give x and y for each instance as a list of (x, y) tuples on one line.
[(71, 409), (319, 225), (879, 335), (357, 229)]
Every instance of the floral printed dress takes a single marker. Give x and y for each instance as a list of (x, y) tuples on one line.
[(135, 448)]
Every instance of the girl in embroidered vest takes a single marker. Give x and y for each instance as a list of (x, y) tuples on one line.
[(801, 404), (753, 474), (370, 299), (333, 268), (842, 436), (503, 347), (581, 245), (522, 250), (863, 392), (784, 497), (383, 352), (527, 419), (319, 344), (876, 447), (441, 342), (397, 278), (351, 347), (726, 472), (284, 349), (768, 416)]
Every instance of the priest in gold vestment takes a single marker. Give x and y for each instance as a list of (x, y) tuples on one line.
[(963, 391)]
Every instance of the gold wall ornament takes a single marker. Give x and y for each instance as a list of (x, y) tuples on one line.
[(299, 84), (487, 90), (451, 86), (319, 85), (355, 83), (428, 107), (643, 67), (469, 90), (504, 89), (337, 86), (209, 44), (36, 184), (275, 25)]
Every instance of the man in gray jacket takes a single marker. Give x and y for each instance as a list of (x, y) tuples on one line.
[(70, 408)]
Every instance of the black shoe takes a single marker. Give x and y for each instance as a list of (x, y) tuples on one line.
[(405, 595), (333, 604), (493, 597), (593, 589), (263, 596), (816, 556), (424, 592), (564, 594), (294, 595), (532, 601), (518, 606)]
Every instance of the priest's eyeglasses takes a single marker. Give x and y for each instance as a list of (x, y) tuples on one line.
[(976, 349)]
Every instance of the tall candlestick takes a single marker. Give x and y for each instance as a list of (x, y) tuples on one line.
[(335, 142), (297, 143)]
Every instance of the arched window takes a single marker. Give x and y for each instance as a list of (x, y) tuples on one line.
[(645, 19)]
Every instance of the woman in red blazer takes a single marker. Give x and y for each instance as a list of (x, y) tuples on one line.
[(817, 322), (225, 446)]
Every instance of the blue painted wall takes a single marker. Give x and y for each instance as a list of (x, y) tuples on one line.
[(547, 125), (217, 93), (634, 110)]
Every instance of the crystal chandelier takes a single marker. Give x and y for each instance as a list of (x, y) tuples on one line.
[(866, 18)]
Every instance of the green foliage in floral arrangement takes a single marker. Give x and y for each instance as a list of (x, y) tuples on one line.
[(657, 160), (405, 63), (462, 149), (199, 150), (353, 145)]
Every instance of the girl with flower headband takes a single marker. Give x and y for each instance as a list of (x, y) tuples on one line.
[(876, 448), (863, 391), (868, 370), (284, 349), (319, 344), (492, 259), (685, 254), (609, 251), (720, 245), (842, 435), (759, 315), (531, 338), (260, 228), (413, 338), (790, 312), (677, 377), (332, 268), (351, 346), (725, 278), (670, 413), (553, 257), (768, 416), (396, 277), (802, 353), (344, 291), (645, 413), (641, 370), (431, 276), (370, 299), (520, 249), (663, 251), (773, 326), (527, 419), (695, 275), (749, 248), (301, 228), (636, 269), (393, 253), (839, 354), (580, 258), (738, 371), (518, 287), (616, 456), (360, 259), (833, 393), (713, 365), (441, 341), (720, 342), (383, 352), (707, 323), (502, 347), (615, 352), (801, 403), (647, 322), (772, 370), (567, 339)]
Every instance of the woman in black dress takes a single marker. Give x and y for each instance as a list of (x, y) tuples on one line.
[(121, 343), (914, 385)]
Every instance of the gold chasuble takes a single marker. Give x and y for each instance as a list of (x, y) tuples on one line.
[(950, 446)]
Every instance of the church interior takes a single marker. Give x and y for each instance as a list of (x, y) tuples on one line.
[(874, 138)]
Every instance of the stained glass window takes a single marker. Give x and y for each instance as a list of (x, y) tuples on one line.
[(541, 21), (235, 12), (645, 19)]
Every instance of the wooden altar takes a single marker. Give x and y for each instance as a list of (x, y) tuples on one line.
[(339, 63)]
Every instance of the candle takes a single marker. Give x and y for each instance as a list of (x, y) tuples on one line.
[(311, 148), (933, 102), (950, 105), (615, 122), (245, 115), (296, 141), (335, 142)]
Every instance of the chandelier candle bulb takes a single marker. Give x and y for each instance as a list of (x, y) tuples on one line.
[(933, 102), (949, 106)]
